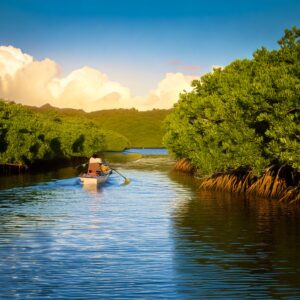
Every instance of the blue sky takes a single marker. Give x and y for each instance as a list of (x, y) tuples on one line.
[(135, 42)]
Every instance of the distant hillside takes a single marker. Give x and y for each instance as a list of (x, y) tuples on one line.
[(65, 111), (141, 128)]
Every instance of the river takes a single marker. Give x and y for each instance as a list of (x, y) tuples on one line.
[(157, 237)]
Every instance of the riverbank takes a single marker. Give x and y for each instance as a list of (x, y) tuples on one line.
[(115, 157), (10, 169), (7, 169), (277, 182)]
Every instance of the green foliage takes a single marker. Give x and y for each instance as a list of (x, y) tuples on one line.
[(115, 141), (245, 115), (140, 128), (28, 135)]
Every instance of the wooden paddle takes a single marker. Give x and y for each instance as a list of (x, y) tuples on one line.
[(127, 180)]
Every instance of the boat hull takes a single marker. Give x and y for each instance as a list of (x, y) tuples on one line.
[(93, 180)]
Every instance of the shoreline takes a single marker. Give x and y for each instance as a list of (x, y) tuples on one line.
[(7, 169), (277, 182)]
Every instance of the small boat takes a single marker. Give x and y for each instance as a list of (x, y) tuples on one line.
[(97, 172), (95, 179)]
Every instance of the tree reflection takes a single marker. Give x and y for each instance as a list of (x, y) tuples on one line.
[(230, 236)]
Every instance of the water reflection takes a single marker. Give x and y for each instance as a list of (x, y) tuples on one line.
[(29, 179), (93, 189), (234, 247), (73, 242), (158, 237)]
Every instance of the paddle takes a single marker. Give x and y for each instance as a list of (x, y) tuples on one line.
[(126, 179)]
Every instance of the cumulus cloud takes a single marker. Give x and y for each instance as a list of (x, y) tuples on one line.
[(168, 90), (12, 59), (89, 89), (34, 82)]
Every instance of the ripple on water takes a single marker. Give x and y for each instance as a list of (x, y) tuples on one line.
[(157, 237)]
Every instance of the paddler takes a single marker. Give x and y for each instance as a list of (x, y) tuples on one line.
[(96, 166)]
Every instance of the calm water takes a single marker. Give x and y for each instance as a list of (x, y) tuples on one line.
[(158, 237), (146, 151)]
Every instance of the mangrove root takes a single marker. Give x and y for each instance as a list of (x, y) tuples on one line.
[(237, 181), (185, 166), (277, 182)]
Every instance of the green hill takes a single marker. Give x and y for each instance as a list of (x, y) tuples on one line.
[(141, 128)]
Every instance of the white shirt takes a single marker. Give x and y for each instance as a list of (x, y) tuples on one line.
[(95, 160)]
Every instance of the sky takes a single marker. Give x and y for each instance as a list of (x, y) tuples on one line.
[(97, 54)]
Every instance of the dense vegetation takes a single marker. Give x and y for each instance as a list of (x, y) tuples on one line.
[(141, 128), (245, 115), (27, 136)]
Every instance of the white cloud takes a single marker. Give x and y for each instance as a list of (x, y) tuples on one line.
[(30, 84), (168, 90), (88, 89), (33, 82), (12, 59)]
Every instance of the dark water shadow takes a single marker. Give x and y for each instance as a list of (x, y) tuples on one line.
[(249, 245)]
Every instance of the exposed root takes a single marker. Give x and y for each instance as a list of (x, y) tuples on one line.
[(292, 195), (185, 166), (237, 181), (277, 182)]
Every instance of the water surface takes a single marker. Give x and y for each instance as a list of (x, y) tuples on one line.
[(148, 151), (158, 237)]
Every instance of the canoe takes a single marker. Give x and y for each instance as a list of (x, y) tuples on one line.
[(94, 179)]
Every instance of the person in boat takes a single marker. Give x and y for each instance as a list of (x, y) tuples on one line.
[(95, 159), (96, 166)]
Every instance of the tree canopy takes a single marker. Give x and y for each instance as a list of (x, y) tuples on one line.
[(244, 115), (27, 136)]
